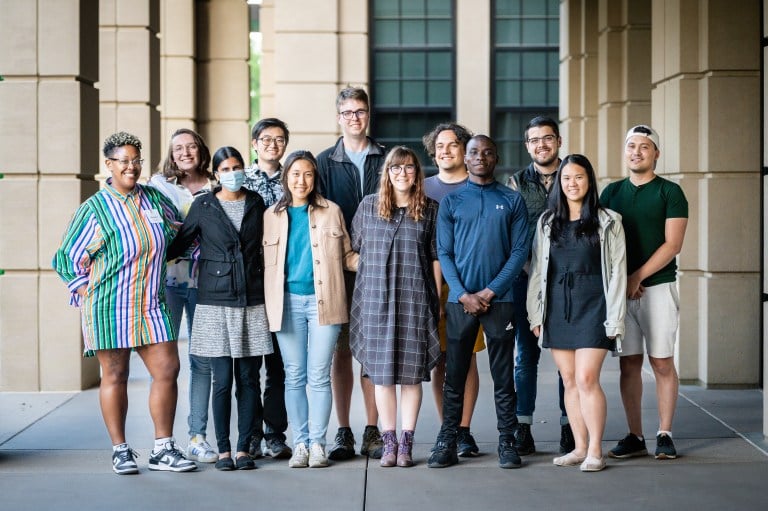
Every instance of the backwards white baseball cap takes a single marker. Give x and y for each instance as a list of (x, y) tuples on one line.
[(643, 130)]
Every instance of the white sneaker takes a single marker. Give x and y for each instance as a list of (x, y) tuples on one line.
[(200, 450), (317, 457), (300, 458)]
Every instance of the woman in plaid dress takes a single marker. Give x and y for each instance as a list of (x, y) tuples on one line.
[(395, 305)]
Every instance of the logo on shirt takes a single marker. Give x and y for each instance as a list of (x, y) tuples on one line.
[(499, 206)]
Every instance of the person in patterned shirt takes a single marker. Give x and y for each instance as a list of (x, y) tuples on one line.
[(269, 138), (112, 258)]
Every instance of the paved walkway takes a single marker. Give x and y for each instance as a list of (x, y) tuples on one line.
[(54, 454)]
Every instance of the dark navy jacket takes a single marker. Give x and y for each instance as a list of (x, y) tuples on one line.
[(482, 239)]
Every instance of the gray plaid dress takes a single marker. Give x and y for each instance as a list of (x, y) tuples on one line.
[(393, 321)]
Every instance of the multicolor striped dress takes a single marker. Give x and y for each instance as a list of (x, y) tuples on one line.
[(116, 246)]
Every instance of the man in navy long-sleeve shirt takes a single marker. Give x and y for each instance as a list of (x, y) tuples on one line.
[(482, 246)]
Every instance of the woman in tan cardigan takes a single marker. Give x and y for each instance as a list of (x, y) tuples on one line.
[(306, 249)]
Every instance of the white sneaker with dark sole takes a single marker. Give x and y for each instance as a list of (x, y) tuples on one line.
[(124, 461), (170, 459)]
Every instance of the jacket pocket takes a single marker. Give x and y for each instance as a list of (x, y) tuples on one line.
[(333, 242), (220, 276), (270, 250)]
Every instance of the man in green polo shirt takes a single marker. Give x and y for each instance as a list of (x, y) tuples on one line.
[(654, 213)]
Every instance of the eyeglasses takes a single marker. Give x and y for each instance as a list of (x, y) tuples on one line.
[(125, 163), (547, 139), (181, 148), (267, 140), (349, 114), (398, 169)]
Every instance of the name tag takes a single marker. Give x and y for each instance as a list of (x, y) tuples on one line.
[(153, 216)]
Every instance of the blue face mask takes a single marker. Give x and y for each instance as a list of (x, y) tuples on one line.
[(233, 180)]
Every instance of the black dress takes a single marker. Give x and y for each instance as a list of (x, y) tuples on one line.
[(575, 299)]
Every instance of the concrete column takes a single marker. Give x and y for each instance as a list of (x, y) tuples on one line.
[(624, 73), (473, 74), (48, 119), (705, 81), (579, 77), (223, 93), (129, 78), (326, 44), (178, 85)]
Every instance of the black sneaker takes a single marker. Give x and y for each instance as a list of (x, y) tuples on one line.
[(170, 459), (567, 442), (277, 448), (524, 440), (124, 460), (465, 444), (254, 450), (628, 447), (508, 457), (372, 445), (665, 448), (443, 454), (343, 446)]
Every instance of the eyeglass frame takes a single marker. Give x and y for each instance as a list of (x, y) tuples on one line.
[(267, 140), (409, 169), (138, 162), (358, 114), (546, 139)]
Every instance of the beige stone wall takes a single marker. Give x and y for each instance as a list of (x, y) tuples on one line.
[(48, 129), (223, 79), (706, 85)]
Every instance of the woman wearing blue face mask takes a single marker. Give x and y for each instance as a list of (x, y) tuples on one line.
[(230, 324)]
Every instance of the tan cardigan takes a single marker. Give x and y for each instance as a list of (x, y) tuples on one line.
[(331, 253)]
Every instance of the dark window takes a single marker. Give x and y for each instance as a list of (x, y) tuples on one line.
[(525, 70), (412, 70)]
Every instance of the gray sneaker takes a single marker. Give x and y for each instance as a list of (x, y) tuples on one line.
[(277, 449), (254, 450), (124, 460), (170, 459)]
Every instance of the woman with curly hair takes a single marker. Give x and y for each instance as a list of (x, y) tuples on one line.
[(112, 258), (396, 299)]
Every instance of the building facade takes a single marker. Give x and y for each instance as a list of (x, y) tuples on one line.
[(76, 70)]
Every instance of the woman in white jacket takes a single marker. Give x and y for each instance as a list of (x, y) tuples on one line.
[(576, 299)]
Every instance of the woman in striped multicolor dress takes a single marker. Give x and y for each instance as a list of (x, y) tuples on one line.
[(112, 258)]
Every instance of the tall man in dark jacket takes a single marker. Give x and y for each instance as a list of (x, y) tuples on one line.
[(349, 171), (542, 141), (481, 243)]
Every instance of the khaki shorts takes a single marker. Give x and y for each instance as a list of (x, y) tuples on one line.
[(342, 343), (651, 322), (479, 342)]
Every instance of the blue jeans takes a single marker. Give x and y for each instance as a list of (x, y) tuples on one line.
[(177, 299), (307, 350), (528, 354)]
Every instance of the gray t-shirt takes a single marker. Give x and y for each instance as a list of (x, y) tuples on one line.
[(437, 189), (359, 160)]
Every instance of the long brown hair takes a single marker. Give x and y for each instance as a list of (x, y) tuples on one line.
[(168, 167), (417, 202)]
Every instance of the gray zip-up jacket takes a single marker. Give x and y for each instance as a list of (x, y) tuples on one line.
[(614, 269)]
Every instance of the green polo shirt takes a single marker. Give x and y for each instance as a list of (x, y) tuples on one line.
[(644, 210)]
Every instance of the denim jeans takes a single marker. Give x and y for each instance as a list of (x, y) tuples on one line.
[(461, 332), (528, 354), (273, 415), (307, 349), (179, 298), (246, 377)]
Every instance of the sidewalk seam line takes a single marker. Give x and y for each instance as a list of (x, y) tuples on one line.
[(718, 419), (22, 430)]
